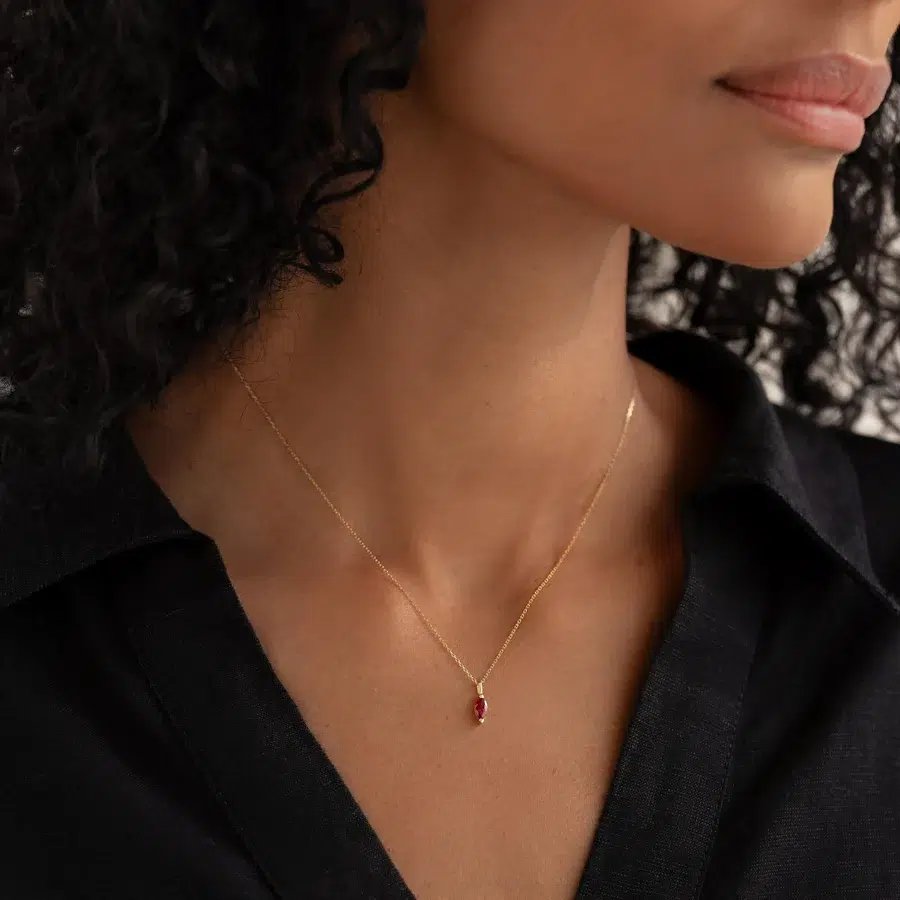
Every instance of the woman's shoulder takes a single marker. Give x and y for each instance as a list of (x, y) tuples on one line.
[(830, 460), (876, 465), (56, 520)]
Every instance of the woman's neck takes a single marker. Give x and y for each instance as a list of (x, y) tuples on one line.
[(457, 397)]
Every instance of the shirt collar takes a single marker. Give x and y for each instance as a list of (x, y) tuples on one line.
[(54, 525), (52, 529), (803, 467)]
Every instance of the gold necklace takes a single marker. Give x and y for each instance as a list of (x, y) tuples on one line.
[(481, 706)]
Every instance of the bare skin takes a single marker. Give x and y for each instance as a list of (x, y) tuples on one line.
[(458, 398)]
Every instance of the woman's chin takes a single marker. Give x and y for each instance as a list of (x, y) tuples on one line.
[(771, 253), (763, 217), (757, 243)]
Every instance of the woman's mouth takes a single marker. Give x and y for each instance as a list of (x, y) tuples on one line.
[(822, 101)]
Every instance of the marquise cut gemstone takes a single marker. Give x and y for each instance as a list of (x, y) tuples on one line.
[(480, 709)]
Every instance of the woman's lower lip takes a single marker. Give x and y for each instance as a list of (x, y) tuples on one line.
[(816, 124)]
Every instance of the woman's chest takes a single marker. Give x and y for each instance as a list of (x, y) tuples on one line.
[(504, 809)]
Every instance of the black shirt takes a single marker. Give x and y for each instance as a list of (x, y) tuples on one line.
[(149, 752)]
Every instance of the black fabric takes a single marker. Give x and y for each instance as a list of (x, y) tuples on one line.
[(149, 751)]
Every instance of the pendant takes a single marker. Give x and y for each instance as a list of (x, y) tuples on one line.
[(480, 704)]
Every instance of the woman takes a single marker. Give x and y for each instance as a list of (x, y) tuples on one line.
[(356, 543)]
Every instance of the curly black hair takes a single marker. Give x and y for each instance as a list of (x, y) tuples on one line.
[(147, 148)]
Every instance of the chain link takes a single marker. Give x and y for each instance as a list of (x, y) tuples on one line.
[(389, 575)]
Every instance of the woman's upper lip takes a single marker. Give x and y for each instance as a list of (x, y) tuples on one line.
[(838, 79)]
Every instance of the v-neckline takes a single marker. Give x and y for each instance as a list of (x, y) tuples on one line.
[(300, 822)]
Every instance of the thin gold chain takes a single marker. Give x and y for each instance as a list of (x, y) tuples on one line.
[(389, 575)]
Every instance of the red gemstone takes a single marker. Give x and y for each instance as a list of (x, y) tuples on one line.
[(480, 709)]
